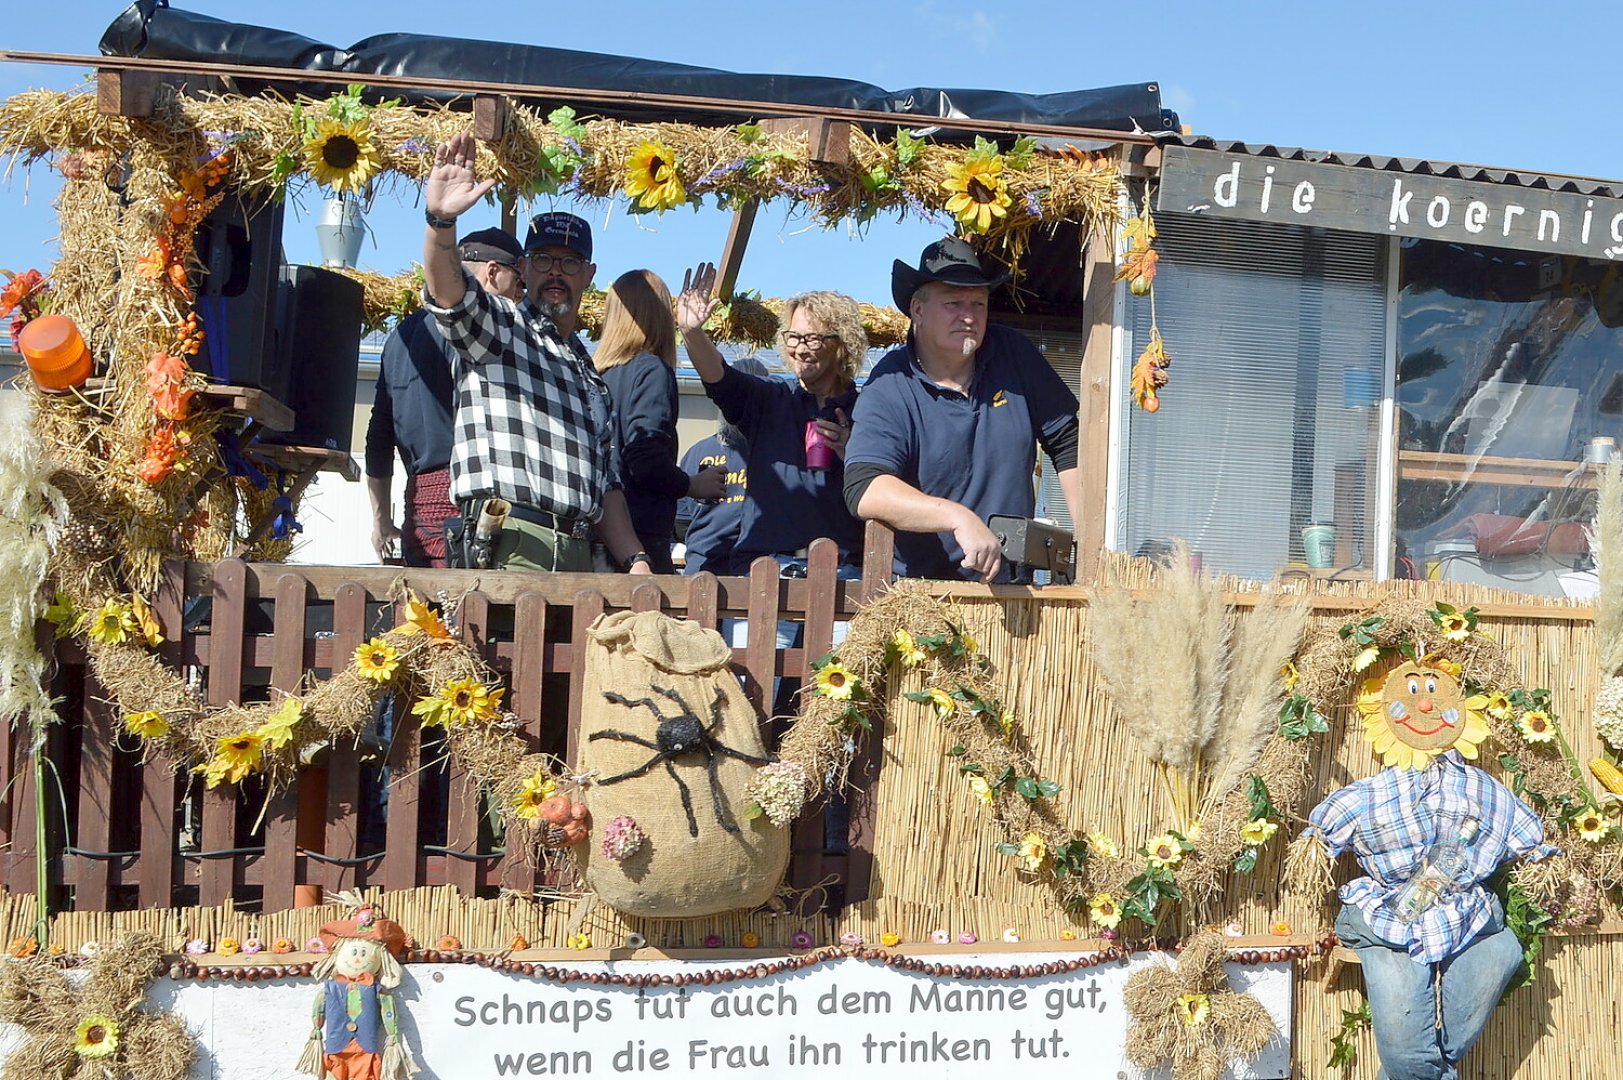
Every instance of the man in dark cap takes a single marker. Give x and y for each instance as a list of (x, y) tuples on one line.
[(532, 422), (946, 431), (411, 412)]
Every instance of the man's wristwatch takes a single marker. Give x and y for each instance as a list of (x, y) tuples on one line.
[(439, 222)]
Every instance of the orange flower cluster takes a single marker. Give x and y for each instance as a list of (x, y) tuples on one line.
[(163, 453), (22, 294), (182, 212)]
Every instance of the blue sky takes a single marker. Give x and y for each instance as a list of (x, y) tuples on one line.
[(1529, 86)]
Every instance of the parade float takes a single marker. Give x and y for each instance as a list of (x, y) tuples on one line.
[(509, 824)]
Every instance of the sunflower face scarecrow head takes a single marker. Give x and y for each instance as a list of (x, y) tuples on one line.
[(1418, 711)]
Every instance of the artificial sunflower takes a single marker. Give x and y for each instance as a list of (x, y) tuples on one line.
[(979, 788), (1497, 704), (1194, 1008), (376, 660), (113, 623), (836, 681), (1290, 676), (1100, 844), (1033, 852), (96, 1036), (750, 940), (651, 178), (907, 649), (277, 730), (1365, 658), (235, 758), (341, 155), (458, 702), (1164, 850), (146, 622), (1258, 831), (537, 789), (1005, 723), (148, 725), (979, 191), (940, 701), (1591, 826), (1536, 726), (229, 946), (967, 643), (1104, 911), (1454, 625), (581, 942), (422, 619)]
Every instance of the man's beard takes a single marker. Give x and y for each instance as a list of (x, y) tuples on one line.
[(554, 310)]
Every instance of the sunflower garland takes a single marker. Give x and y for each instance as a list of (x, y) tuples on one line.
[(977, 189)]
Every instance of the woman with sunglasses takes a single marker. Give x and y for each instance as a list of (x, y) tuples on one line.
[(796, 431)]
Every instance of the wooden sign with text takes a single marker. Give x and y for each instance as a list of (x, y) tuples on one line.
[(1223, 185)]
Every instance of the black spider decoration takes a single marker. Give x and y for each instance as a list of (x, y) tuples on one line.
[(683, 733)]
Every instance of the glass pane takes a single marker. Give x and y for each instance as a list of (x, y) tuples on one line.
[(1504, 381), (1271, 423)]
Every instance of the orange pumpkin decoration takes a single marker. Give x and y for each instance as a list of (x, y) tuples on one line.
[(556, 809)]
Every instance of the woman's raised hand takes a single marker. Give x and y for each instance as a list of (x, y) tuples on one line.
[(695, 305)]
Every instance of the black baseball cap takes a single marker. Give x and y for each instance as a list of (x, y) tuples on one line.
[(558, 229), (491, 245)]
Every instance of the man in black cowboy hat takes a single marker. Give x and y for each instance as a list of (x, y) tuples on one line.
[(945, 433)]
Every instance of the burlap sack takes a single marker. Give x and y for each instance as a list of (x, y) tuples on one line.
[(639, 656)]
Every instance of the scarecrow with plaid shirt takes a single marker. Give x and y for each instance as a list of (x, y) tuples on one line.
[(1427, 832)]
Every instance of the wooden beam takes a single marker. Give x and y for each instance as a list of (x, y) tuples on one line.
[(490, 113), (127, 93), (1093, 450), (732, 256)]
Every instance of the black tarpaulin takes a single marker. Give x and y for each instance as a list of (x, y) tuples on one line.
[(153, 29)]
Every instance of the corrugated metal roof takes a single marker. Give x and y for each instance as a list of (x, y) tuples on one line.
[(1608, 189)]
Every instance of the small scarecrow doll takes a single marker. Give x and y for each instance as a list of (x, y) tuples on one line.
[(1427, 831), (356, 1035)]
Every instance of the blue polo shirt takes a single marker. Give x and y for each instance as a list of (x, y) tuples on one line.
[(978, 449), (787, 505), (713, 526)]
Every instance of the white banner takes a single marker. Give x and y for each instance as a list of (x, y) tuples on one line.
[(838, 1019)]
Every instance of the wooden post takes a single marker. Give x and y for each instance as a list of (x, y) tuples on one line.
[(588, 606), (281, 864), (490, 113), (1098, 320), (158, 781), (91, 875), (732, 256), (218, 874), (828, 142), (127, 93), (344, 764)]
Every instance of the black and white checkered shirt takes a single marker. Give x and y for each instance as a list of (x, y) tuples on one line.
[(532, 417)]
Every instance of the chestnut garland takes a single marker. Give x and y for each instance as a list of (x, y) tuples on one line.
[(186, 969)]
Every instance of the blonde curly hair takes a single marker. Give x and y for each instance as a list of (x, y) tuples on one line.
[(837, 314)]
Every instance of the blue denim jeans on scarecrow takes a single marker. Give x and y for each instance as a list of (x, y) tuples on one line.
[(1413, 1041)]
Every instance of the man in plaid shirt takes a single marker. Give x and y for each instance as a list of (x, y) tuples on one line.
[(532, 417), (1458, 948)]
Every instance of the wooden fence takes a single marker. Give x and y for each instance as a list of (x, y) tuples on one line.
[(126, 833)]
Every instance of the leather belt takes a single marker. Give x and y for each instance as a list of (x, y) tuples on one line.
[(568, 526)]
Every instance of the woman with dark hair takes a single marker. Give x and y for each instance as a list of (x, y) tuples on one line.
[(796, 431), (636, 356)]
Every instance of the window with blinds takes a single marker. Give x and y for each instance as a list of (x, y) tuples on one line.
[(1272, 421)]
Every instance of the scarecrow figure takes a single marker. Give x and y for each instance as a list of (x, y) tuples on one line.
[(1427, 831), (356, 1034)]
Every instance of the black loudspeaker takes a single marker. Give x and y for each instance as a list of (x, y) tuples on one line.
[(240, 247), (318, 342)]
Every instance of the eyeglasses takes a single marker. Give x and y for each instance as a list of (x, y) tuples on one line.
[(811, 341), (569, 264)]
